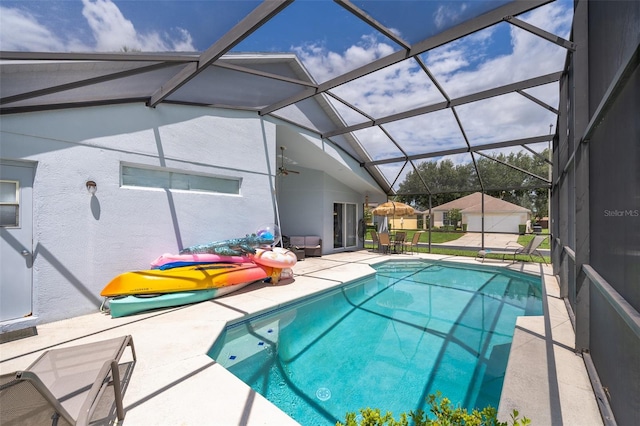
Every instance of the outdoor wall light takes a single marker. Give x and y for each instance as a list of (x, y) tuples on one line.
[(92, 187)]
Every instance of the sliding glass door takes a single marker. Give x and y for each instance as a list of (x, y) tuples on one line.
[(344, 225)]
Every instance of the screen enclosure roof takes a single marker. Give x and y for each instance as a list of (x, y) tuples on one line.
[(419, 82)]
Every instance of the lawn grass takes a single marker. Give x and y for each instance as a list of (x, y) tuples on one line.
[(473, 252), (436, 237), (523, 240), (443, 237)]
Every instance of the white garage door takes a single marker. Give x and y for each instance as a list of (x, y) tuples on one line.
[(494, 223)]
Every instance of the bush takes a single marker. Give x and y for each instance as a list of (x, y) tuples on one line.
[(522, 229), (455, 217), (443, 411)]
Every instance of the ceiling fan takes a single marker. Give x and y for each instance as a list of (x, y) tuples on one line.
[(282, 170)]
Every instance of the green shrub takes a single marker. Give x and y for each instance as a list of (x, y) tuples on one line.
[(443, 414), (455, 216), (522, 229)]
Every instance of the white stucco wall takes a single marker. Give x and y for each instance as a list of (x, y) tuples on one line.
[(301, 201), (306, 204), (80, 243), (438, 219)]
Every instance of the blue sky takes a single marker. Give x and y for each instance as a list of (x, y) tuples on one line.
[(329, 41), (73, 23)]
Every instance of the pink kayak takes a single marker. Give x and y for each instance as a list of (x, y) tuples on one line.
[(194, 258)]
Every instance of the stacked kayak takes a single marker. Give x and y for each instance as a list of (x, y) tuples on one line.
[(176, 280), (183, 278), (168, 261), (139, 291), (128, 305)]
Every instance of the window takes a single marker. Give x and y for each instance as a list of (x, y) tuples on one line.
[(9, 203), (445, 218), (167, 179)]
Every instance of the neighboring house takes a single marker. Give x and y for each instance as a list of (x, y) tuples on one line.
[(398, 221), (406, 222), (499, 215)]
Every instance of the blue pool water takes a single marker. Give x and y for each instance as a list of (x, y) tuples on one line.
[(386, 341)]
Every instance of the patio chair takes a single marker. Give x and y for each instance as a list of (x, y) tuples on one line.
[(376, 242), (384, 242), (398, 241), (64, 386), (414, 241), (530, 249)]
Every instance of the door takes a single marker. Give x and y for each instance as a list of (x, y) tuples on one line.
[(344, 225), (16, 183)]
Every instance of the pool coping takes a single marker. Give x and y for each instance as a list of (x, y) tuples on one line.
[(173, 367)]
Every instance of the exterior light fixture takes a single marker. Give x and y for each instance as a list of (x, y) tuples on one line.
[(92, 187)]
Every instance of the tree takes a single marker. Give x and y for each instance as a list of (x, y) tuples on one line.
[(444, 180), (448, 181), (455, 216), (496, 176)]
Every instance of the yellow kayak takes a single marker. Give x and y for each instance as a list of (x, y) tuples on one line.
[(186, 278)]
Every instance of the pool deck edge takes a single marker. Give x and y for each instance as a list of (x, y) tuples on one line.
[(546, 380)]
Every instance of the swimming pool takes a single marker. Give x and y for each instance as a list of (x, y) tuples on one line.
[(385, 341)]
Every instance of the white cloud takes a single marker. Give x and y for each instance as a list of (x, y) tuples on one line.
[(110, 28), (531, 56), (448, 13), (110, 31), (393, 89), (462, 67), (183, 43), (446, 61), (21, 31), (325, 64)]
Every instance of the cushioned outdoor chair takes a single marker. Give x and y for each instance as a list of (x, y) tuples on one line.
[(376, 242), (312, 245), (530, 249), (64, 386), (411, 245), (384, 242), (398, 241), (297, 242)]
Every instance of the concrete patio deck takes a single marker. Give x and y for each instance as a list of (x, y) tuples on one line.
[(175, 383)]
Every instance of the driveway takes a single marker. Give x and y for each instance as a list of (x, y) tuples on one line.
[(474, 240)]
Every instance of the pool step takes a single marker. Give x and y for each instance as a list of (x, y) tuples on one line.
[(240, 345)]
